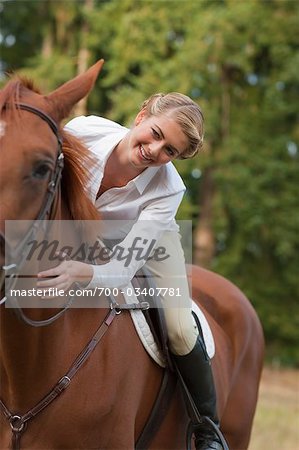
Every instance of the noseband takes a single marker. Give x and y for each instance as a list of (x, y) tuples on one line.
[(19, 253)]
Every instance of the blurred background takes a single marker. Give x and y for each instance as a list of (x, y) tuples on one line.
[(239, 60)]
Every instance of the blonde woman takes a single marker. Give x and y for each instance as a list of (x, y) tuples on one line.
[(135, 182)]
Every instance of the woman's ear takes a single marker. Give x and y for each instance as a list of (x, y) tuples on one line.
[(140, 117)]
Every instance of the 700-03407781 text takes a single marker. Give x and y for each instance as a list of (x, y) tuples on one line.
[(97, 291)]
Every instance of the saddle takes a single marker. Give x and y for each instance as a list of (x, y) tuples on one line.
[(154, 315)]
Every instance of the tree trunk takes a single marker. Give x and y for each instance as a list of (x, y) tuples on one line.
[(204, 236), (204, 240), (48, 42), (83, 57)]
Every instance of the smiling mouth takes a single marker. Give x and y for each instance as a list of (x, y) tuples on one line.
[(144, 157)]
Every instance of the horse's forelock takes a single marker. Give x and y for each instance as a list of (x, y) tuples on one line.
[(12, 94), (23, 90)]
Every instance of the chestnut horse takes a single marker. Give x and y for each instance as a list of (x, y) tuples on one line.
[(109, 399)]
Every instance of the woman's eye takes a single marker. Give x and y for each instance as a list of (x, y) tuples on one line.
[(156, 134), (170, 152), (41, 171)]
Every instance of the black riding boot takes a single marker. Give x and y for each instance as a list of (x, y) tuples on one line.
[(195, 370)]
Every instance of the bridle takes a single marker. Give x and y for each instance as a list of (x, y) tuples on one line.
[(18, 255)]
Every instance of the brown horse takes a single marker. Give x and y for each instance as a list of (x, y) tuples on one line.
[(110, 396)]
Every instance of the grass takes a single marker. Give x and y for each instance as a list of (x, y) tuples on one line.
[(276, 424)]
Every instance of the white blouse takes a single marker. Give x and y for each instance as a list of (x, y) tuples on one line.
[(145, 207)]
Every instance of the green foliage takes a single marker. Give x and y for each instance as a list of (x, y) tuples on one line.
[(239, 60)]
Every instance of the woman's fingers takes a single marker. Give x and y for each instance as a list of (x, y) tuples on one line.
[(49, 281), (65, 275)]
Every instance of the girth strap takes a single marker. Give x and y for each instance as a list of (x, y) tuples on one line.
[(159, 410)]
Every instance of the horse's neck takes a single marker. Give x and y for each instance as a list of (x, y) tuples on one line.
[(26, 354), (33, 359)]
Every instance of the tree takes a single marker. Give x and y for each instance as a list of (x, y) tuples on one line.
[(239, 61)]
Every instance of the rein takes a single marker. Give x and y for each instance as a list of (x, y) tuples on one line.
[(9, 272)]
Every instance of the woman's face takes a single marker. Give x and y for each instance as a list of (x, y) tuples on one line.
[(155, 140)]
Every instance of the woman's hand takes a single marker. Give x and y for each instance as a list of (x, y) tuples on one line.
[(65, 274)]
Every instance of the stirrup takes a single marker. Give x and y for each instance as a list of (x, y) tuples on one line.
[(192, 426)]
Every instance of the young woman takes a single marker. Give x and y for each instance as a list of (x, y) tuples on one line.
[(135, 182)]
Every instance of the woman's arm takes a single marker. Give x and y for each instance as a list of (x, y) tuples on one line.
[(127, 257)]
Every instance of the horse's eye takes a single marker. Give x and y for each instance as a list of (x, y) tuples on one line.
[(41, 171)]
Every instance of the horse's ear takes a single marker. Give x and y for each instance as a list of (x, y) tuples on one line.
[(62, 100)]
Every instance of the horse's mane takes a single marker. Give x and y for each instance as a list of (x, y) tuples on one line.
[(77, 159), (78, 162)]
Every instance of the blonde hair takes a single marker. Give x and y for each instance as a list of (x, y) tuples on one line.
[(184, 111)]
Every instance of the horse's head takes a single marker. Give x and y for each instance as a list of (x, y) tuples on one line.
[(30, 136)]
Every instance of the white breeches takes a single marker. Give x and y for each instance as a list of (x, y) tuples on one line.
[(170, 274)]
